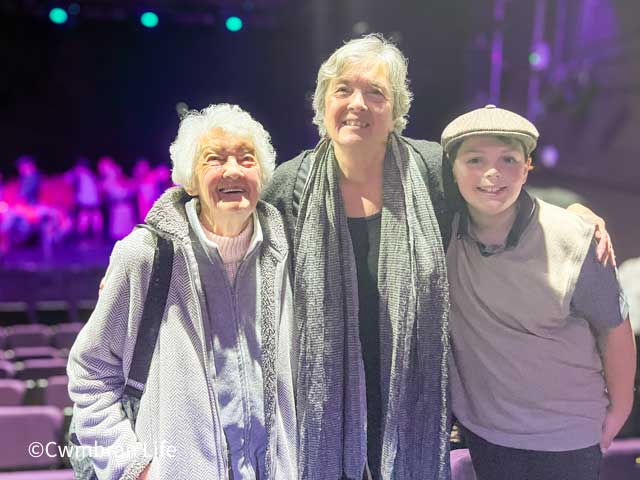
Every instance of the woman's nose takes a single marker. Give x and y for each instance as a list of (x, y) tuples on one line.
[(231, 167), (356, 102)]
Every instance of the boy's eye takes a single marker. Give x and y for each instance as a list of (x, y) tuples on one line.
[(473, 160), (510, 160)]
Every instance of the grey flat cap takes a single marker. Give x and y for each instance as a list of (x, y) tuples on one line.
[(491, 120)]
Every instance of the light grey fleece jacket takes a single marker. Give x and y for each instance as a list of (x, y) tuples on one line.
[(178, 428)]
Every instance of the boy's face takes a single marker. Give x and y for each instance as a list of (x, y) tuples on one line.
[(490, 174)]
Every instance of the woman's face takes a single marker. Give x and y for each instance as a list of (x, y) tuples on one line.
[(227, 178), (359, 107)]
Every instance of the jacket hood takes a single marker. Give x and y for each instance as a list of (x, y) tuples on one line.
[(168, 215)]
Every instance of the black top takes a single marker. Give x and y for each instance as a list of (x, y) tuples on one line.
[(365, 238)]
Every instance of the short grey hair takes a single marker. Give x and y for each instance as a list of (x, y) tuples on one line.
[(232, 119), (372, 48)]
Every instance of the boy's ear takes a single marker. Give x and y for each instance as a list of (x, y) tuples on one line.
[(529, 167)]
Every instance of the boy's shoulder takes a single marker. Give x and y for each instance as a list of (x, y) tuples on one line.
[(561, 221)]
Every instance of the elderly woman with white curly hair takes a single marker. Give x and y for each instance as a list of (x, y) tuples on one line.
[(218, 398)]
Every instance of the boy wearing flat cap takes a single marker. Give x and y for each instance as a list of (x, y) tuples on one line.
[(543, 354)]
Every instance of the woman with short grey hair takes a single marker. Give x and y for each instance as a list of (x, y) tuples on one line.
[(370, 282), (369, 50), (219, 390)]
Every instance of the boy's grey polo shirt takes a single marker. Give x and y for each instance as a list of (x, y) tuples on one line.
[(515, 354), (595, 286)]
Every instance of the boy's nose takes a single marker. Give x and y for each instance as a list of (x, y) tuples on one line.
[(493, 172)]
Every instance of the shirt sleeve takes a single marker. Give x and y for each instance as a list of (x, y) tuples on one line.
[(598, 297)]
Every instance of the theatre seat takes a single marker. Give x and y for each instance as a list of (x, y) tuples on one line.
[(461, 466), (21, 427), (7, 369), (56, 392), (65, 334), (622, 460), (32, 335), (24, 353), (34, 369), (11, 392)]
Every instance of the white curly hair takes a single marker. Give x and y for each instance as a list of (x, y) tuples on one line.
[(232, 119)]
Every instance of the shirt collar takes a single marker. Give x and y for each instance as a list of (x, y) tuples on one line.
[(526, 209)]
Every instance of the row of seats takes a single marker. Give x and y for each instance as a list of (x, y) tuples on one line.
[(19, 354), (33, 369), (52, 391), (34, 351), (44, 424), (36, 434), (60, 336)]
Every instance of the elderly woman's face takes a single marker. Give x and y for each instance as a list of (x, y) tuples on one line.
[(227, 177), (359, 107)]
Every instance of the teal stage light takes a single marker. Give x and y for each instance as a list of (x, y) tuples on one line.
[(58, 15), (149, 19), (534, 59), (233, 24)]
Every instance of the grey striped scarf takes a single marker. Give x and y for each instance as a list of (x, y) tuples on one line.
[(414, 303)]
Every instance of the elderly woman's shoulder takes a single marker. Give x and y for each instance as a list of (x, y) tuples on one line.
[(137, 247)]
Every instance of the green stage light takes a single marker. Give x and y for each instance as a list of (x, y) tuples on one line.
[(58, 15), (149, 19), (233, 24)]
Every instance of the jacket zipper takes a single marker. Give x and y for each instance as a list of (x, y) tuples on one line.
[(212, 395), (241, 268)]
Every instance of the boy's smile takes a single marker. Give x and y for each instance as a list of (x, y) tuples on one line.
[(490, 174)]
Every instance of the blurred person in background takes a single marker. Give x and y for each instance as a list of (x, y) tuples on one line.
[(30, 180), (118, 195), (88, 216)]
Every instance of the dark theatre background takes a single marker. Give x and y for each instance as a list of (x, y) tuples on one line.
[(90, 104)]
